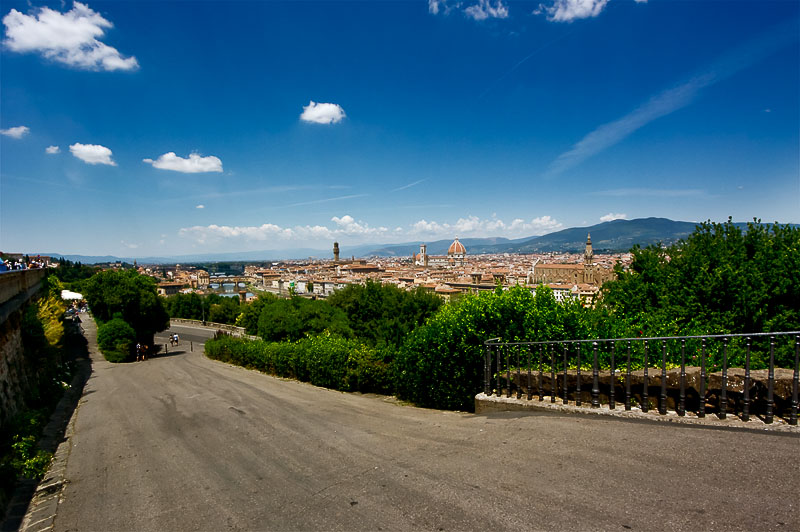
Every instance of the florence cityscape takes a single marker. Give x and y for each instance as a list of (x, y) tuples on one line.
[(399, 265)]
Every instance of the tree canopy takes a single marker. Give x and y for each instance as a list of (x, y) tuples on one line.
[(132, 296), (720, 279)]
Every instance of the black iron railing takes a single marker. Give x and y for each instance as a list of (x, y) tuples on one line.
[(719, 374)]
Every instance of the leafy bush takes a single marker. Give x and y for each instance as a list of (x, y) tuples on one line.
[(383, 314), (324, 360), (441, 363), (294, 318), (115, 339)]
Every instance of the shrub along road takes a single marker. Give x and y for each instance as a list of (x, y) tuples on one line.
[(181, 442)]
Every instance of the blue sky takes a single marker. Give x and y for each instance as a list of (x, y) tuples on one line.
[(161, 128)]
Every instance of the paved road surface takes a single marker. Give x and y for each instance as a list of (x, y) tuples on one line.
[(184, 443)]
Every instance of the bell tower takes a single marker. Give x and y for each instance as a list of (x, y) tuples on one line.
[(335, 252), (588, 261)]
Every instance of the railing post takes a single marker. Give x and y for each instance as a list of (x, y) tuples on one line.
[(723, 394), (645, 383), (553, 381), (486, 375), (530, 385), (746, 409), (795, 379), (499, 389), (769, 416), (519, 377), (682, 398), (702, 408), (578, 401), (628, 380), (508, 372), (613, 380), (566, 400), (541, 392), (662, 404), (595, 378)]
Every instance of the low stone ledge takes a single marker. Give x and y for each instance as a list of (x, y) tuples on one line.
[(485, 404)]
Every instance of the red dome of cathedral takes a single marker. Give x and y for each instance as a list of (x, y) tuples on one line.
[(456, 248)]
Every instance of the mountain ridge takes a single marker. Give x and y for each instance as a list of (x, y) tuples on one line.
[(607, 237)]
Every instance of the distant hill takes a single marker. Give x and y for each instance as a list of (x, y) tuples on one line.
[(613, 236)]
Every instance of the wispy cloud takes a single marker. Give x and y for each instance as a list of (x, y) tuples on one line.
[(474, 9), (569, 10), (613, 216), (70, 38), (651, 192), (52, 150), (415, 183), (15, 132), (673, 99), (327, 200)]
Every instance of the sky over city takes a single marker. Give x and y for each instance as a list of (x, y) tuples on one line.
[(163, 128)]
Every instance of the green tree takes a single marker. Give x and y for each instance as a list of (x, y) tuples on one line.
[(383, 314), (131, 295), (226, 311), (115, 339), (294, 318), (248, 318)]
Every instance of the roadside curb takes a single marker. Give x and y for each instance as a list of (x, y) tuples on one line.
[(485, 404)]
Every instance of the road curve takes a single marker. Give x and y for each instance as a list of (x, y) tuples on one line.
[(181, 443)]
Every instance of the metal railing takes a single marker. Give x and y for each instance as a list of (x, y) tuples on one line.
[(653, 373)]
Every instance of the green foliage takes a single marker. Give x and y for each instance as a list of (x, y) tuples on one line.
[(294, 318), (226, 311), (187, 306), (441, 363), (720, 280), (323, 360), (74, 273), (19, 456), (116, 339), (383, 314), (248, 318), (132, 295)]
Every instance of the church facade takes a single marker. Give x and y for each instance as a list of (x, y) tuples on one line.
[(586, 272), (455, 258)]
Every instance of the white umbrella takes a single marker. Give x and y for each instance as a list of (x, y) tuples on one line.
[(67, 295)]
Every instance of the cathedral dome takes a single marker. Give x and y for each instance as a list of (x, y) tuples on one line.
[(456, 248)]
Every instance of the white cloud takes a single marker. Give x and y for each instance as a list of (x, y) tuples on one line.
[(70, 38), (477, 227), (193, 165), (348, 228), (322, 113), (52, 150), (569, 10), (613, 216), (487, 9), (200, 207), (92, 153), (128, 244), (15, 132)]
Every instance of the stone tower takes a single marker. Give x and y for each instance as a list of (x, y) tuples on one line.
[(335, 252), (423, 254), (588, 261)]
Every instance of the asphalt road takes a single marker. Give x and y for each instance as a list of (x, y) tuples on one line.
[(183, 443)]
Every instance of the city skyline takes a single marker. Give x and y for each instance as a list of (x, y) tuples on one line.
[(160, 129)]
